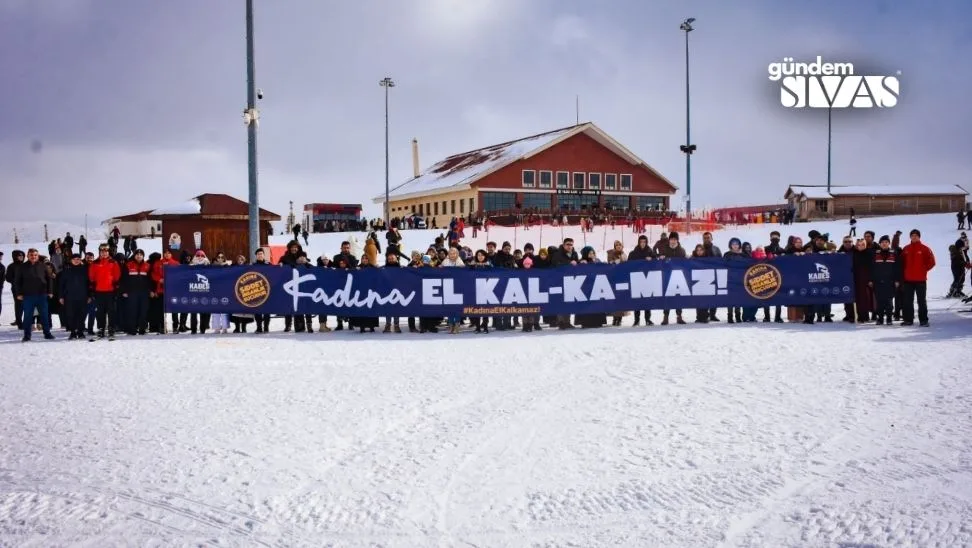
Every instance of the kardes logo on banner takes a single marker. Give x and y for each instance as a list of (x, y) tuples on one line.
[(821, 275), (821, 84), (200, 285)]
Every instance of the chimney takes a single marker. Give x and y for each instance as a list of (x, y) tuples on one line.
[(415, 159)]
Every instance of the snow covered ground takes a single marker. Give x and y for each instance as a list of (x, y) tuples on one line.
[(746, 435)]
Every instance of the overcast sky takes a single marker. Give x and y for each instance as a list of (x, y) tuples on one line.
[(110, 107)]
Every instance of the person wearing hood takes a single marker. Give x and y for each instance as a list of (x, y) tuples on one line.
[(956, 253), (735, 253), (9, 277), (392, 324), (289, 259)]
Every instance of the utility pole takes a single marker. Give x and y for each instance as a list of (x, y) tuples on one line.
[(386, 83), (45, 233), (829, 141), (251, 118), (688, 148)]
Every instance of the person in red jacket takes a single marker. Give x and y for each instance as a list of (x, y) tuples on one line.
[(916, 261), (158, 282), (104, 275)]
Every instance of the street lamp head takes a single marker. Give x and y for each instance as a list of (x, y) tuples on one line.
[(687, 24), (386, 83)]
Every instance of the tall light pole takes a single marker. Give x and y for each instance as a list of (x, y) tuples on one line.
[(829, 140), (251, 118), (688, 148), (386, 83)]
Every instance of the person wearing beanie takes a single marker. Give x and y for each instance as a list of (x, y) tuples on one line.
[(917, 260), (735, 253)]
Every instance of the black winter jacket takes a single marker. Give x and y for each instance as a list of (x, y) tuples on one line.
[(33, 279), (73, 283)]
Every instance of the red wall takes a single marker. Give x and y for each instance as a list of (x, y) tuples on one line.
[(578, 153)]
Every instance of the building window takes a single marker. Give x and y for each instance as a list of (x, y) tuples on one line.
[(546, 179), (575, 202), (579, 179), (413, 209), (428, 208), (462, 206), (421, 211), (820, 205), (617, 202), (610, 181), (452, 207), (649, 203), (436, 208), (625, 181), (529, 178), (472, 205), (594, 181), (537, 200), (563, 179), (496, 201)]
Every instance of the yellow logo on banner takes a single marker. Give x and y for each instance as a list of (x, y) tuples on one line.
[(252, 289), (762, 281)]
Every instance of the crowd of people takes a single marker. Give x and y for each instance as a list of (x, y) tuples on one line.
[(123, 291)]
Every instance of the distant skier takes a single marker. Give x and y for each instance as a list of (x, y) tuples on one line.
[(961, 219), (853, 226)]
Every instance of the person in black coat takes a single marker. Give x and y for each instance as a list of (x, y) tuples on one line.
[(565, 255), (33, 285), (885, 279), (642, 252), (10, 276), (74, 295)]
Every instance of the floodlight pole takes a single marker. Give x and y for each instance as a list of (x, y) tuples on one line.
[(250, 118), (830, 111), (386, 83), (688, 148)]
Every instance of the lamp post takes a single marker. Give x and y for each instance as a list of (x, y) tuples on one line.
[(829, 139), (386, 83), (688, 148), (251, 119)]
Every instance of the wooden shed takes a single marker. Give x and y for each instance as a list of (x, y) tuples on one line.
[(218, 222)]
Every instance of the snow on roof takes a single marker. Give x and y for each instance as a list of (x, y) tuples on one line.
[(812, 192), (465, 167), (820, 192), (904, 190), (189, 207)]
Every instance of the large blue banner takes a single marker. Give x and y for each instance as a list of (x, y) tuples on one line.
[(441, 292)]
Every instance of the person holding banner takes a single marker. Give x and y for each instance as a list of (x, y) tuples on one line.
[(674, 251), (616, 255), (564, 256), (643, 252), (480, 262), (453, 261), (391, 261)]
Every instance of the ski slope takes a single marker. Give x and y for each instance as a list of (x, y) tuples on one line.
[(718, 435)]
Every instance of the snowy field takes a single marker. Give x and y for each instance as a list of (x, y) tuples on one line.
[(720, 435)]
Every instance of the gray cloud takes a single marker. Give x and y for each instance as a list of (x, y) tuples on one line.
[(138, 104)]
